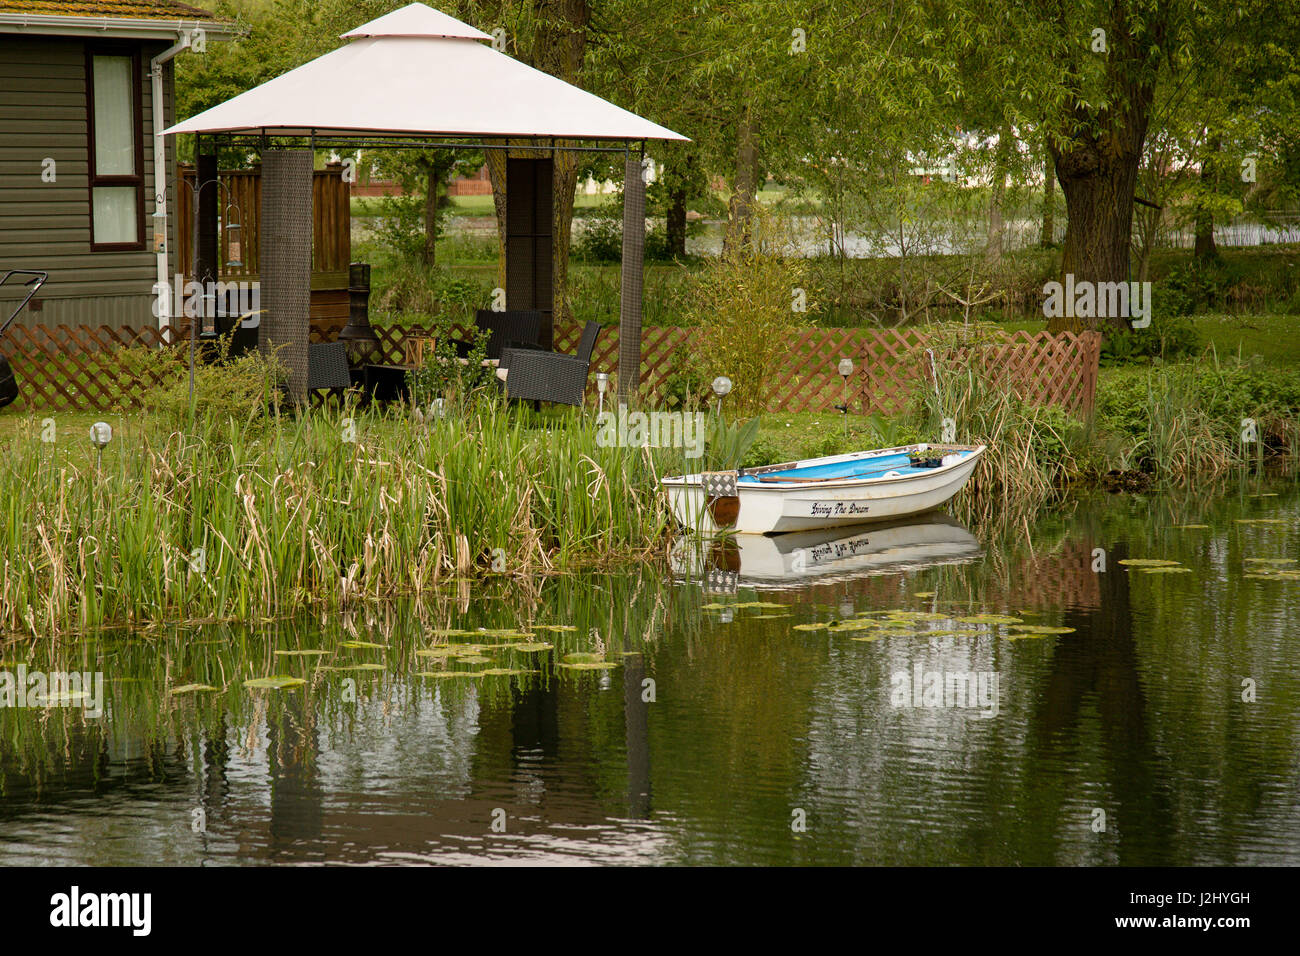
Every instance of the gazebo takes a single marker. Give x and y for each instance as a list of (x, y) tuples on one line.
[(418, 78)]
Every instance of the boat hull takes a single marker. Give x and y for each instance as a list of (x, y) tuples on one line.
[(786, 559), (812, 505)]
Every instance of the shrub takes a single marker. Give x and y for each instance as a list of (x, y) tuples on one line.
[(228, 389), (599, 240), (1166, 338), (1186, 418), (444, 375), (742, 306)]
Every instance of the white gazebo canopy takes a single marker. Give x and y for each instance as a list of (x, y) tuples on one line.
[(418, 72)]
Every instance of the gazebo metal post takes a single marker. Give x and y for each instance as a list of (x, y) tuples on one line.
[(286, 261), (629, 313)]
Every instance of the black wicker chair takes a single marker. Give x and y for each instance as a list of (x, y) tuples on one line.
[(550, 376), (327, 365), (521, 328)]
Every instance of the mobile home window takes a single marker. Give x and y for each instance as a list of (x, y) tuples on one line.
[(116, 180)]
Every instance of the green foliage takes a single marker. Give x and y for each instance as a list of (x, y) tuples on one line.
[(1181, 420), (399, 225), (1191, 288), (416, 290), (742, 307), (727, 445), (444, 375), (1169, 339), (239, 390), (600, 240), (316, 511)]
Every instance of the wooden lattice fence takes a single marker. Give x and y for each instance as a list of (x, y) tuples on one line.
[(75, 367)]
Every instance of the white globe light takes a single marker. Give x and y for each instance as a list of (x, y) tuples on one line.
[(721, 385), (101, 433), (846, 367)]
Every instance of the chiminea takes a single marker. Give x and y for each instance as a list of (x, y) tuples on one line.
[(358, 334)]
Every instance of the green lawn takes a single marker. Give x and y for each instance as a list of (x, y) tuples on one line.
[(363, 206)]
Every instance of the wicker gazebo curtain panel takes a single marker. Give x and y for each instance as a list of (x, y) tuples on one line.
[(286, 261)]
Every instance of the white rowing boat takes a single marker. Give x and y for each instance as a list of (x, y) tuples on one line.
[(829, 492)]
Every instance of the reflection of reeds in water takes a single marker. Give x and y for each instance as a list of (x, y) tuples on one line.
[(621, 614), (233, 521)]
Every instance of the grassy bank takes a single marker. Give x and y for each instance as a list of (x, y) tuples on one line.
[(244, 519)]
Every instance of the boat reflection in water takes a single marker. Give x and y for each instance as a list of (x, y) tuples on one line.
[(785, 559)]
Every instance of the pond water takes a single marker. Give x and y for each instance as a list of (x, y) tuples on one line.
[(1162, 728)]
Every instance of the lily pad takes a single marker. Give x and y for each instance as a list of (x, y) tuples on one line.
[(989, 619), (532, 647), (364, 645), (451, 632), (192, 688), (473, 659), (301, 653), (924, 594), (355, 667), (582, 657), (504, 672), (553, 627), (1275, 561), (278, 682), (1148, 563), (590, 666), (439, 675), (865, 637), (442, 650), (1166, 570), (1041, 629), (1193, 527)]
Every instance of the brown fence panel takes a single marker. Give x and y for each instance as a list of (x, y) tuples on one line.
[(76, 367)]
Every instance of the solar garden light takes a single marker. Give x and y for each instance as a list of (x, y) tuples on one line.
[(721, 387), (602, 384), (101, 433), (845, 369)]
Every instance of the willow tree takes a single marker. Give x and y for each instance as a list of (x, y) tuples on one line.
[(1087, 74)]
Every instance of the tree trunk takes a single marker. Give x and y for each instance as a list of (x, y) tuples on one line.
[(1098, 177), (496, 164), (431, 217), (675, 221), (1001, 160), (1049, 201), (1204, 251), (740, 208), (564, 186), (1098, 151)]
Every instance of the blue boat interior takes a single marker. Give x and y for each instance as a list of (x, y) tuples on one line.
[(860, 468)]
